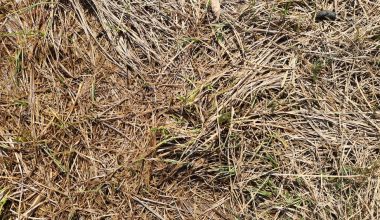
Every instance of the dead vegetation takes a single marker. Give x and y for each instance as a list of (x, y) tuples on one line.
[(189, 110)]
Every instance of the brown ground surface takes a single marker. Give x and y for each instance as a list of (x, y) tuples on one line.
[(161, 110)]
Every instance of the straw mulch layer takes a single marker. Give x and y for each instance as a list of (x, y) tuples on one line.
[(180, 110)]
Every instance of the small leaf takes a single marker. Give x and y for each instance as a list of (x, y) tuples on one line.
[(215, 6), (3, 199)]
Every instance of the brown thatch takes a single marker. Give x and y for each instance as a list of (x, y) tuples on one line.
[(189, 109)]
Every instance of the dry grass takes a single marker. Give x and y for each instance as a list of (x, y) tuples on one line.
[(158, 110)]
